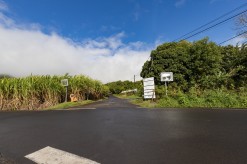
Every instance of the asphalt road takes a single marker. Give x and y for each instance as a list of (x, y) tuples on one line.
[(116, 132)]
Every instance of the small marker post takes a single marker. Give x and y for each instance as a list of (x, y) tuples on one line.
[(65, 83)]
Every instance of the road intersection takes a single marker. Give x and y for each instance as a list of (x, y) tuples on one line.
[(115, 131)]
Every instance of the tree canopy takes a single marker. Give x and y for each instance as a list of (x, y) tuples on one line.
[(201, 63)]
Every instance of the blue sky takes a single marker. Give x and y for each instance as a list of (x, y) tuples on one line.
[(141, 20), (107, 40)]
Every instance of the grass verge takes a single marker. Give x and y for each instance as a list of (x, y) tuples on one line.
[(137, 100), (67, 105), (204, 99), (124, 96)]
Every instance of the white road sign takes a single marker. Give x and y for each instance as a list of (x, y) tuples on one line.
[(166, 76), (149, 88)]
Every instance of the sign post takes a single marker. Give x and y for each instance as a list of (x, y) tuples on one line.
[(149, 88), (166, 77), (166, 87), (65, 83)]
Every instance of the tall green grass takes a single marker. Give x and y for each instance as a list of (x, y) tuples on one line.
[(196, 98), (219, 98), (38, 92)]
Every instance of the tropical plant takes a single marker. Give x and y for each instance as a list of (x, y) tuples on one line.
[(38, 92)]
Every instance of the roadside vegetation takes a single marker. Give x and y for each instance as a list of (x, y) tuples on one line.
[(67, 105), (220, 98), (118, 86), (205, 75), (130, 96), (40, 92)]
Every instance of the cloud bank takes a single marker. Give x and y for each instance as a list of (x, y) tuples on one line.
[(25, 50)]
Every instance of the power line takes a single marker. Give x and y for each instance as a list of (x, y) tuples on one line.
[(215, 25), (233, 37), (245, 4)]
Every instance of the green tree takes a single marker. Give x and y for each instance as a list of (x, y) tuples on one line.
[(205, 64), (230, 55), (240, 77), (229, 65), (193, 64), (169, 57)]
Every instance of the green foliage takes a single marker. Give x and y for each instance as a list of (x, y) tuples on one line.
[(124, 96), (205, 64), (202, 64), (205, 75), (38, 92), (160, 91), (119, 86), (66, 105), (169, 57), (240, 77), (220, 98), (168, 102)]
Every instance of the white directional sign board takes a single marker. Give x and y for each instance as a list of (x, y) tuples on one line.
[(166, 76), (149, 88)]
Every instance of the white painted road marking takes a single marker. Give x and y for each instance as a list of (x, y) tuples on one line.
[(49, 155)]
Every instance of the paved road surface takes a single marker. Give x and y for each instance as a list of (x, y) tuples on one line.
[(116, 132)]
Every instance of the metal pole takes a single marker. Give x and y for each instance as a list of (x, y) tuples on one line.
[(66, 96), (166, 87), (153, 96)]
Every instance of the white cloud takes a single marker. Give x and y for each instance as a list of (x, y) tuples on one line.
[(5, 21), (3, 6), (25, 49)]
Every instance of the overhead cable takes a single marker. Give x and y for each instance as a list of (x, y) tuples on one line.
[(243, 5)]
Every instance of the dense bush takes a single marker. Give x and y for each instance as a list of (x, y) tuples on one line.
[(208, 98), (201, 64)]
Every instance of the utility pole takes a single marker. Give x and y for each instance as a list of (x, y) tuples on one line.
[(134, 78)]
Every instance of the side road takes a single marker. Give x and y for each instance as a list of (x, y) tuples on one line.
[(112, 102)]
